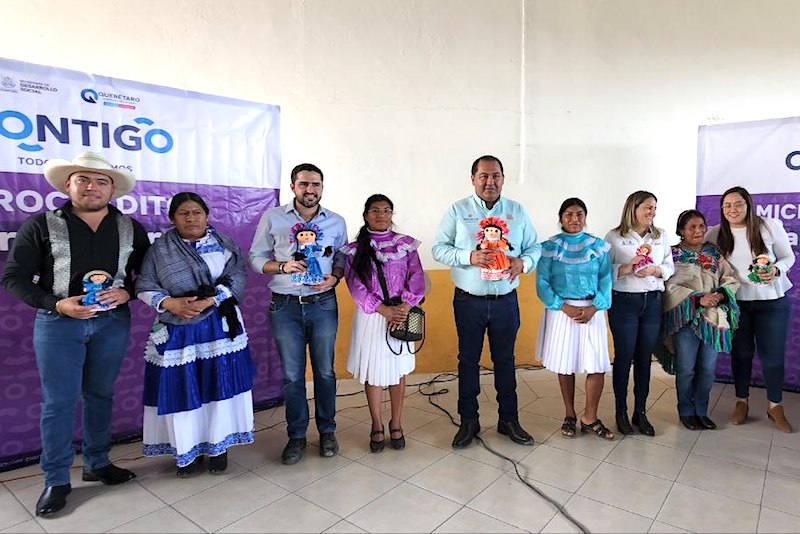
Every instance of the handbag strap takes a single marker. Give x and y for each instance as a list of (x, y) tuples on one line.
[(382, 280)]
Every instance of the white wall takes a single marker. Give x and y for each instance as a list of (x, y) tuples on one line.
[(399, 96)]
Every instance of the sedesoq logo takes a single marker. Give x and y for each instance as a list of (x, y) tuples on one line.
[(17, 126), (793, 160), (90, 96)]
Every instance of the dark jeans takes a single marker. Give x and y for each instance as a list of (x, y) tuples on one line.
[(77, 358), (763, 325), (696, 363), (294, 326), (474, 317), (635, 320)]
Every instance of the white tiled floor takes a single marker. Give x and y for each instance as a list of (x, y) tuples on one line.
[(734, 479)]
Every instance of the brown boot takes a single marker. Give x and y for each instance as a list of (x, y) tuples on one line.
[(740, 412), (776, 415)]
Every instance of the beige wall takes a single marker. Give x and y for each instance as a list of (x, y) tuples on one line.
[(578, 97)]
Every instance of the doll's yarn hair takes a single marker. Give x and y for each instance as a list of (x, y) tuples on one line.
[(491, 222), (304, 227)]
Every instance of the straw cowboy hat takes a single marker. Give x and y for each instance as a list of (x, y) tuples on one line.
[(56, 171)]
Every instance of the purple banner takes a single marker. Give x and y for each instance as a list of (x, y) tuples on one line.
[(783, 206), (234, 211)]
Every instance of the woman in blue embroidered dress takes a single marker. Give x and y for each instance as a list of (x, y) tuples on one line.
[(573, 280), (198, 371), (700, 316), (371, 359)]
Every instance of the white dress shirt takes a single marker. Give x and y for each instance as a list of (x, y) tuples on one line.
[(623, 250)]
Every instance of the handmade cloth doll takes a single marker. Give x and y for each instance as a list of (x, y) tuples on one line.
[(94, 282), (492, 238), (305, 235), (761, 264), (644, 250)]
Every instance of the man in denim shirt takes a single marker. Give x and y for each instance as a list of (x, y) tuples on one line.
[(484, 299), (292, 243)]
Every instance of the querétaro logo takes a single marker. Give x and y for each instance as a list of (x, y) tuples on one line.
[(17, 126), (793, 160), (90, 96), (111, 99)]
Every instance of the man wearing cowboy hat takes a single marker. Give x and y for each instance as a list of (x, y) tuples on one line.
[(79, 348)]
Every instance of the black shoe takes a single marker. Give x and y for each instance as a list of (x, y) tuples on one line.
[(190, 470), (377, 445), (328, 446), (692, 422), (515, 432), (707, 423), (640, 420), (623, 423), (397, 443), (467, 431), (52, 499), (218, 464), (293, 452), (110, 475)]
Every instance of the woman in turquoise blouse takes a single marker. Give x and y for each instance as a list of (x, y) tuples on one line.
[(573, 280)]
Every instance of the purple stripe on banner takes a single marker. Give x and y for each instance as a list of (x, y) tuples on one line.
[(786, 207), (234, 211)]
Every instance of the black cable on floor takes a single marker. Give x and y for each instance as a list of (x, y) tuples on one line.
[(559, 507)]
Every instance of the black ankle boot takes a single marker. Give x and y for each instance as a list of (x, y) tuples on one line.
[(623, 424), (467, 431), (640, 420)]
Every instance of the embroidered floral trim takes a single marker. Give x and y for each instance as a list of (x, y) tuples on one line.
[(188, 354), (210, 449), (707, 258)]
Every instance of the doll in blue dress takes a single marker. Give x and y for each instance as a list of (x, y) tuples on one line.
[(305, 235), (93, 283)]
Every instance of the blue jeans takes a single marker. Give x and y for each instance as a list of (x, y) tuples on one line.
[(294, 326), (635, 319), (474, 317), (77, 357), (695, 365), (763, 324)]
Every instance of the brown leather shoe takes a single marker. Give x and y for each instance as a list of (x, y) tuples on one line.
[(776, 415), (740, 413)]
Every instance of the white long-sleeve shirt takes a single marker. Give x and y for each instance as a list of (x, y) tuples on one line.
[(623, 250), (779, 250)]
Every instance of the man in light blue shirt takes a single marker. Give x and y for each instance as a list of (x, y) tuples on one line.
[(488, 241), (298, 244)]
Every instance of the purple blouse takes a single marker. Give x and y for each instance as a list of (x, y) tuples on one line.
[(401, 268)]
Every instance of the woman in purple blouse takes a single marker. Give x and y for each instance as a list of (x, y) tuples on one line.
[(373, 359)]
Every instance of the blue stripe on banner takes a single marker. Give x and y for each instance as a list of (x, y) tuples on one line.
[(187, 387), (211, 449)]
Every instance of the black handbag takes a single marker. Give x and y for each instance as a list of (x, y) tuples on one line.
[(413, 330)]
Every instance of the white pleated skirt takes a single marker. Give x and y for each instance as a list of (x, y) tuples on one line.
[(566, 347), (370, 359)]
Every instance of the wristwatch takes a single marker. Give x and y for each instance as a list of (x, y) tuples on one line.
[(281, 265)]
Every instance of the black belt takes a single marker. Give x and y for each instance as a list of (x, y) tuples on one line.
[(460, 291), (305, 299)]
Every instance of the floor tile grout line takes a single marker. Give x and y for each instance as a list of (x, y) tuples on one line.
[(576, 494), (672, 486)]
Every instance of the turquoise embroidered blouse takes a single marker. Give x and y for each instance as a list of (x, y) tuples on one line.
[(574, 266)]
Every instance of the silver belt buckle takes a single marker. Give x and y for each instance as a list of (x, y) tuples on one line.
[(300, 299)]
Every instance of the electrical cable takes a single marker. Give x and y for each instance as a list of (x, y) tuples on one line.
[(438, 379)]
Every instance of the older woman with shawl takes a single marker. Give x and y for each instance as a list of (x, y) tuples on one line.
[(700, 316), (198, 371)]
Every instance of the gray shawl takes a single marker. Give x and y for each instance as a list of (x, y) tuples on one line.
[(173, 267)]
